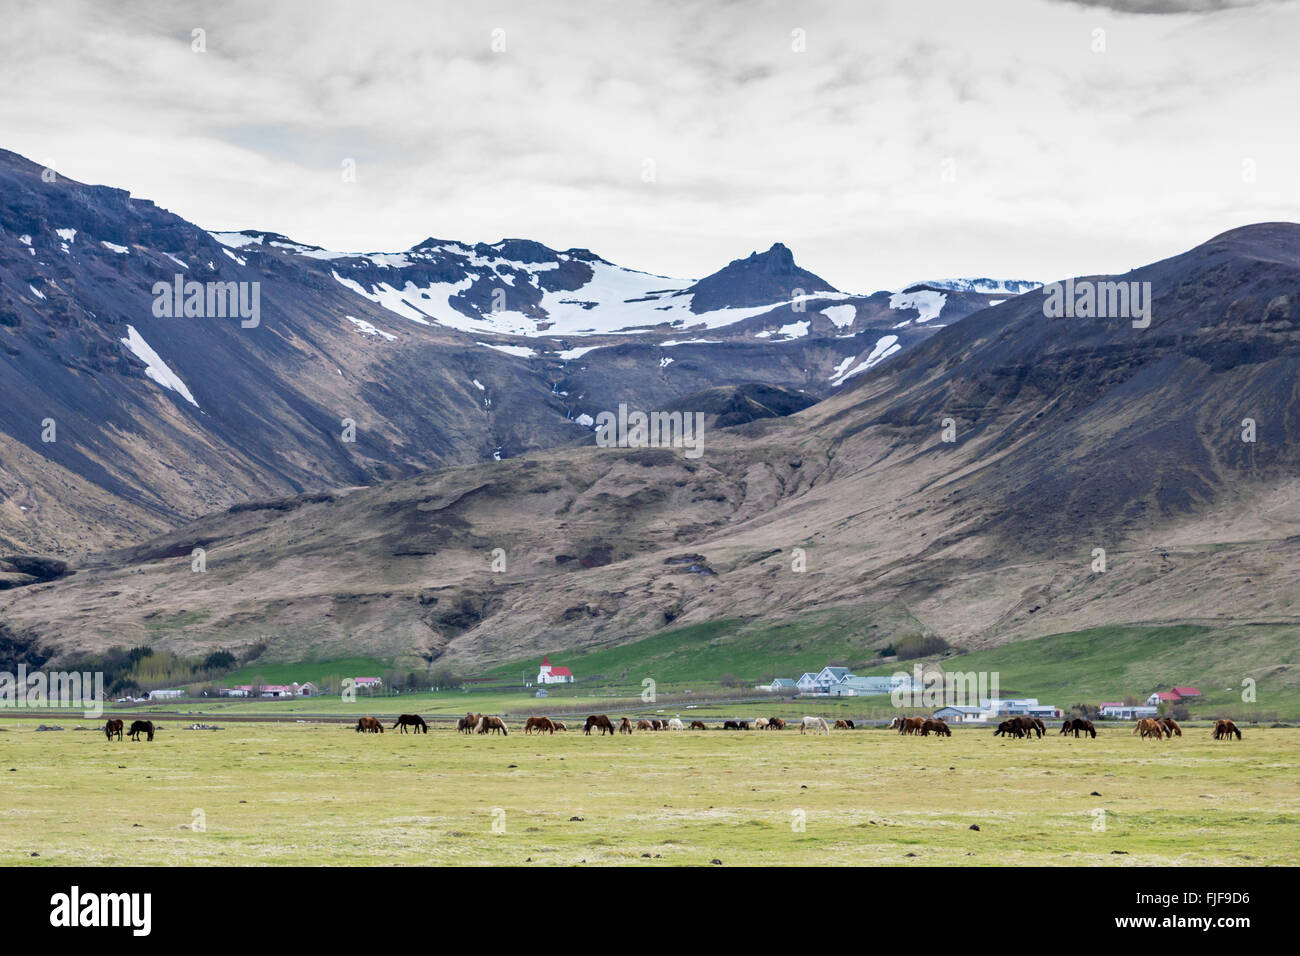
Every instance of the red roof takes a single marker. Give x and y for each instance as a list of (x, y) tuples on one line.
[(561, 672), (1187, 691), (1166, 695)]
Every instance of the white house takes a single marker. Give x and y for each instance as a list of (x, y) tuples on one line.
[(782, 684), (548, 674), (959, 715), (829, 676), (1127, 711), (854, 686), (807, 684)]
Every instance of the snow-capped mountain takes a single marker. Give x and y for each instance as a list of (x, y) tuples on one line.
[(447, 353)]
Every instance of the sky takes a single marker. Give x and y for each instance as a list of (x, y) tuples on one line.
[(883, 141)]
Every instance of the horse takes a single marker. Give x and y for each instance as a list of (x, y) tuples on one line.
[(761, 723), (814, 724), (646, 725), (1148, 727), (698, 725), (559, 725), (775, 723), (912, 725), (492, 725), (730, 725), (1224, 729), (467, 723), (543, 725), (1171, 726), (411, 720), (369, 725), (1079, 724), (674, 724), (114, 726), (1008, 728), (896, 724), (601, 721), (744, 725), (625, 727), (139, 727), (935, 726)]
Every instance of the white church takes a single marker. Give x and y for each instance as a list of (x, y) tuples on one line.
[(553, 675)]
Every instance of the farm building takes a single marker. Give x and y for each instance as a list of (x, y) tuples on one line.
[(783, 684), (807, 684), (549, 674), (234, 692), (1126, 711), (1187, 692), (1164, 697), (165, 694), (959, 715), (1018, 706), (828, 676), (853, 686)]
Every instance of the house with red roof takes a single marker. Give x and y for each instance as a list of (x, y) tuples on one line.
[(549, 674), (1187, 692)]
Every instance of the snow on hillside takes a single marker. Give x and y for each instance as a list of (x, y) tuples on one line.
[(156, 368), (929, 304)]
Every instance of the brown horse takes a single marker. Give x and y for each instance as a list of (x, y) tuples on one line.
[(1171, 726), (646, 725), (1147, 727), (559, 725), (543, 725), (369, 725), (114, 726), (698, 725), (467, 723), (1079, 725), (493, 725), (411, 720), (139, 727), (935, 726), (775, 723), (911, 725), (601, 721), (1224, 729)]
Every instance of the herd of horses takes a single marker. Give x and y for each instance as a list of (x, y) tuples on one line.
[(1155, 728)]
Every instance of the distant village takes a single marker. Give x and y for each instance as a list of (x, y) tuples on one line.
[(842, 682)]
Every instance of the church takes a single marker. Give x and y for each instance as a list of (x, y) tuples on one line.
[(553, 675)]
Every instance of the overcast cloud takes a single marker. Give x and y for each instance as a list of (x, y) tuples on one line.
[(1064, 160)]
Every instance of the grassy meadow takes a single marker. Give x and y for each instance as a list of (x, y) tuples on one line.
[(316, 793)]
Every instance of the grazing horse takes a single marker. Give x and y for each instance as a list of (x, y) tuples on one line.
[(1008, 728), (731, 725), (543, 725), (625, 727), (114, 726), (1078, 725), (761, 723), (1147, 727), (601, 721), (411, 720), (912, 725), (1171, 726), (139, 727), (559, 725), (494, 725), (674, 724), (467, 723), (775, 723), (646, 725), (698, 725), (935, 726), (744, 725), (1224, 729), (814, 724), (369, 725)]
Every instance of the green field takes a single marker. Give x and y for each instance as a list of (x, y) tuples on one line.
[(319, 793)]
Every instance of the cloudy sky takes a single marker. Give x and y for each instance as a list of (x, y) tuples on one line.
[(884, 141)]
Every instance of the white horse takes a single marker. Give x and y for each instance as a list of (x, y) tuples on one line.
[(814, 724), (760, 724), (675, 724)]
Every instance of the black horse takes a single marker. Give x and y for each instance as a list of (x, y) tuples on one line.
[(412, 720), (139, 727)]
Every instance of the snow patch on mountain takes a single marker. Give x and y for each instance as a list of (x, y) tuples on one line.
[(365, 328), (884, 348), (155, 367), (925, 301), (841, 316)]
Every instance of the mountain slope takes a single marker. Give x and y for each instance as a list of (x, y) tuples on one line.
[(1071, 435), (357, 367)]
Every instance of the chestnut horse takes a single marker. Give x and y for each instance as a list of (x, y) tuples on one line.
[(559, 725), (646, 725), (775, 723), (114, 726), (1224, 729), (369, 725), (1147, 727), (1171, 726), (698, 725), (467, 723), (601, 721), (543, 725), (492, 725), (935, 726)]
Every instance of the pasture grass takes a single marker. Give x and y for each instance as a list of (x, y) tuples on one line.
[(321, 794)]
